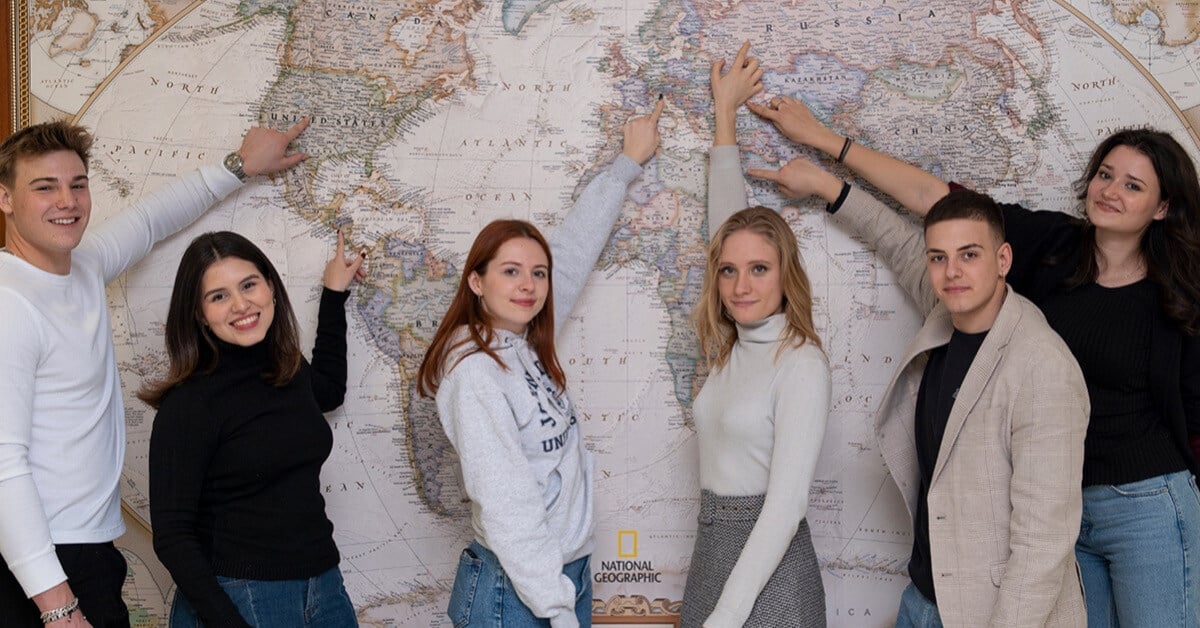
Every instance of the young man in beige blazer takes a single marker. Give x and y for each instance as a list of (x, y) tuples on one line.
[(982, 426)]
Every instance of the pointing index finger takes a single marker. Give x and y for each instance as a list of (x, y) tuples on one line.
[(740, 59), (758, 173), (662, 102), (295, 130)]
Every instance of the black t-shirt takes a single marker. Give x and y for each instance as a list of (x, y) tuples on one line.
[(944, 375)]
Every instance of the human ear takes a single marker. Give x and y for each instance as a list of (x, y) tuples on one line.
[(1162, 210), (6, 200), (475, 283), (1004, 258)]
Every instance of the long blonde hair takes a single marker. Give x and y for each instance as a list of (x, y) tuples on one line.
[(714, 327)]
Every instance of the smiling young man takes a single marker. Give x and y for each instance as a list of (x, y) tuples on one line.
[(982, 427), (983, 424), (62, 420)]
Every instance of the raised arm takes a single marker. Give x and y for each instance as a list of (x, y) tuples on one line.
[(129, 235), (914, 188), (329, 350), (726, 186), (900, 243), (1047, 471), (577, 242), (802, 394)]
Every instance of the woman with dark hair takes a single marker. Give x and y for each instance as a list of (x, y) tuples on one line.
[(761, 414), (239, 440), (502, 400), (1121, 285)]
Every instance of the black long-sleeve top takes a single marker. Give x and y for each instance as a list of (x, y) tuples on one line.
[(235, 467), (1146, 439)]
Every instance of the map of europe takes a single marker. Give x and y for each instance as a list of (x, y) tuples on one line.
[(433, 117)]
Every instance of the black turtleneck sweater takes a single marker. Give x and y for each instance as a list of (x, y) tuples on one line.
[(235, 467)]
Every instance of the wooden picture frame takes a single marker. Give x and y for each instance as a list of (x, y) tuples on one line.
[(637, 611)]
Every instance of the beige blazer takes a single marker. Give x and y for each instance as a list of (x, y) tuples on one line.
[(1005, 497)]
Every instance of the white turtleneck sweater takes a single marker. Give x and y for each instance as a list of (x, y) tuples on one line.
[(761, 420)]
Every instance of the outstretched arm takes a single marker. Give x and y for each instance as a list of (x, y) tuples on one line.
[(329, 349), (726, 186), (731, 90), (898, 242), (126, 237), (578, 241), (915, 189)]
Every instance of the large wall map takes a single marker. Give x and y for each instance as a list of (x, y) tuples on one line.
[(433, 117)]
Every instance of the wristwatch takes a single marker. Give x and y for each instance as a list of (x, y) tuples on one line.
[(233, 163)]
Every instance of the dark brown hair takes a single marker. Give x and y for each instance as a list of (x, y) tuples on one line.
[(190, 346), (1171, 246), (964, 204)]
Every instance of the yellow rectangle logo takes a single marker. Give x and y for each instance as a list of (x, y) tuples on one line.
[(627, 544)]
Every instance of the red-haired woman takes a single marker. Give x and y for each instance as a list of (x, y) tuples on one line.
[(502, 400)]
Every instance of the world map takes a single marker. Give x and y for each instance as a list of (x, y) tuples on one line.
[(433, 117)]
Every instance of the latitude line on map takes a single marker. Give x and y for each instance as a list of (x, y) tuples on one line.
[(1137, 65)]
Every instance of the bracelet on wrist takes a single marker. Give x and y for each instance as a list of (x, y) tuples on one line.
[(845, 149), (61, 612), (841, 198)]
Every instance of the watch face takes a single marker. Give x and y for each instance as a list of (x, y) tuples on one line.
[(233, 163)]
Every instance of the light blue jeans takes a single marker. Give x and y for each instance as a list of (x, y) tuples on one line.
[(318, 602), (916, 611), (1139, 553), (483, 596)]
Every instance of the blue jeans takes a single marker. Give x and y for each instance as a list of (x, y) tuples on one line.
[(318, 602), (483, 596), (916, 611), (1139, 552)]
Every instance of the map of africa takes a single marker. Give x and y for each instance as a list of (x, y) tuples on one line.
[(433, 117)]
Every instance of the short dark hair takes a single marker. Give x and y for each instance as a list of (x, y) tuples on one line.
[(39, 139), (968, 205), (190, 346)]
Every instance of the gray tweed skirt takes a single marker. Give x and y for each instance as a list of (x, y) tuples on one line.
[(793, 596)]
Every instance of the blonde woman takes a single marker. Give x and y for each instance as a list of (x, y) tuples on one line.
[(760, 417)]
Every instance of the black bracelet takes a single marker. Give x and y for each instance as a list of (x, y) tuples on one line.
[(845, 149), (837, 203)]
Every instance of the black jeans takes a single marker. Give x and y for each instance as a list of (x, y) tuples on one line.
[(95, 572)]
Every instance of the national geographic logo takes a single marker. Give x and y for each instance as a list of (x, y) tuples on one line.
[(627, 569)]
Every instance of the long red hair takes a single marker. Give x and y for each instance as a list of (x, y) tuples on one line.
[(467, 310)]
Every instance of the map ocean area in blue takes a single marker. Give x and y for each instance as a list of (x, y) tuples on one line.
[(515, 13)]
